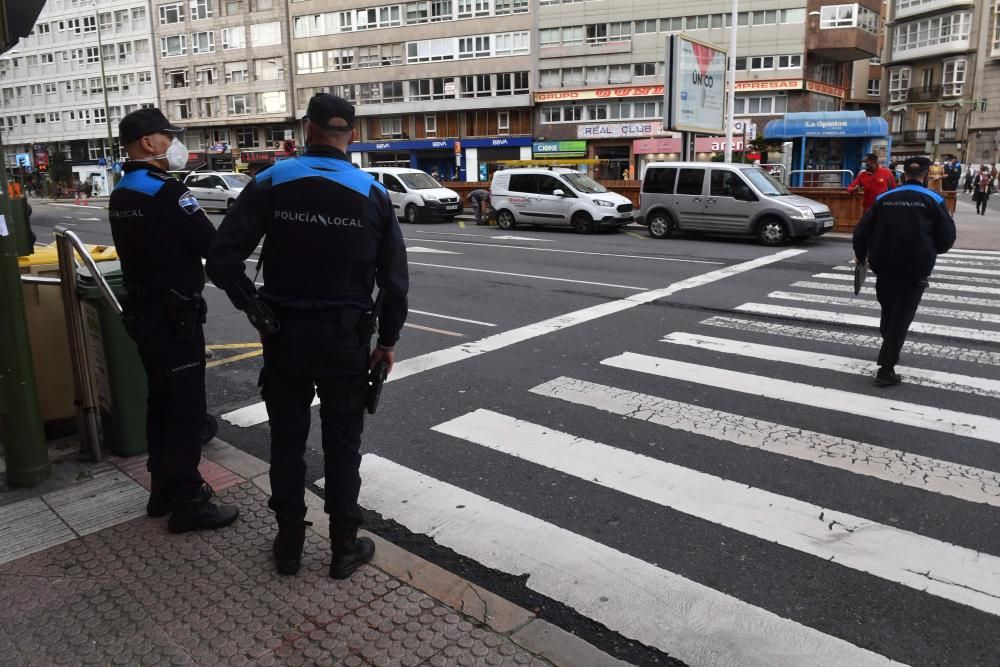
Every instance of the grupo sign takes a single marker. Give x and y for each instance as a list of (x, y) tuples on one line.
[(695, 100), (599, 93), (616, 130)]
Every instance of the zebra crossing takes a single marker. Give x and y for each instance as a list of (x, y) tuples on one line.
[(658, 603)]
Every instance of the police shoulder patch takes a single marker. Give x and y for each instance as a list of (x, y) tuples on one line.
[(189, 203)]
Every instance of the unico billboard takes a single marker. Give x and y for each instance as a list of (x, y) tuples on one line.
[(695, 91)]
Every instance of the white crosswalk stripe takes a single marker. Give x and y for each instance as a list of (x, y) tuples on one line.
[(928, 296), (847, 302), (937, 276), (934, 285)]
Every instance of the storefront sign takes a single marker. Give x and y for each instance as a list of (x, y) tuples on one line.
[(826, 124), (599, 93), (620, 130), (256, 156), (418, 145), (696, 101), (41, 152), (559, 148), (825, 89), (768, 85), (650, 146), (496, 142), (219, 148), (714, 145)]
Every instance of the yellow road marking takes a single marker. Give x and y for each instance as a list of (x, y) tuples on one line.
[(461, 223), (432, 330), (637, 236), (238, 357), (234, 346)]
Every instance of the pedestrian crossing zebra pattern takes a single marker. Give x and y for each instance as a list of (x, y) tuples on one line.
[(690, 618)]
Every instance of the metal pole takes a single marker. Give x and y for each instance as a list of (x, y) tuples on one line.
[(25, 453), (731, 101), (112, 158)]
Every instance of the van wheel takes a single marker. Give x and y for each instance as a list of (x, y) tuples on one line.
[(582, 223), (505, 220), (229, 205), (411, 214), (772, 232), (661, 226)]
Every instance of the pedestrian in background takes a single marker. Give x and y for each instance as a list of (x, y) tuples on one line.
[(982, 188), (330, 234), (900, 237), (874, 179), (969, 176), (478, 198), (936, 176), (162, 234)]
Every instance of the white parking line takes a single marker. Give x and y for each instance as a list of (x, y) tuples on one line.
[(570, 252)]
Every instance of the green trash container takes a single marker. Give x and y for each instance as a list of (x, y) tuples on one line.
[(121, 379)]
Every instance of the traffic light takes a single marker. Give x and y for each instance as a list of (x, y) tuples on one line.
[(17, 18)]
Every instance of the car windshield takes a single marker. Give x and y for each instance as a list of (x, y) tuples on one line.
[(236, 180), (583, 183), (419, 181), (765, 182)]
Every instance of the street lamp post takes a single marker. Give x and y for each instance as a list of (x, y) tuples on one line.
[(107, 109), (731, 102)]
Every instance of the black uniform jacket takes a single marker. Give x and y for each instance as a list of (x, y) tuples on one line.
[(330, 235)]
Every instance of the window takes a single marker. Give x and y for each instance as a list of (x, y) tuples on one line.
[(549, 37), (672, 24), (177, 78), (474, 47), (236, 72), (597, 112), (171, 14), (922, 119), (430, 125), (238, 105), (644, 69), (527, 183), (264, 5), (724, 183), (950, 117), (646, 110), (470, 8), (789, 62), (690, 181), (932, 32), (768, 17), (660, 180), (793, 15), (619, 74), (429, 50), (175, 45), (596, 75), (512, 83), (392, 128), (201, 9), (477, 85), (203, 42), (392, 183), (645, 26), (234, 38), (572, 76), (927, 78), (50, 88), (762, 62), (269, 69), (93, 55), (899, 84), (764, 105), (208, 107), (180, 109), (503, 122), (310, 63), (837, 16), (512, 43), (246, 137), (874, 87), (434, 89), (36, 89), (265, 34), (54, 117), (953, 80), (996, 34)]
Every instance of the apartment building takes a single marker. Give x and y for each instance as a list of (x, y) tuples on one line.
[(51, 92), (600, 70), (982, 140), (932, 49), (440, 85), (224, 73)]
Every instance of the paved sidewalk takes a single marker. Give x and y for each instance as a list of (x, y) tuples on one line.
[(86, 578), (977, 232)]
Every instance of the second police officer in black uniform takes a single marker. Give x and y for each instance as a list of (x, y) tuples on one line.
[(161, 235), (330, 235)]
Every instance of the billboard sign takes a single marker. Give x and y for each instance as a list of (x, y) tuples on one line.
[(695, 92)]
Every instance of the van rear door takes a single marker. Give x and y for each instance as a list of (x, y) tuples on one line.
[(689, 198)]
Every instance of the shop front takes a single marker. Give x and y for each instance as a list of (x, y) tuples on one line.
[(481, 157), (655, 150), (560, 150), (434, 156), (253, 161), (210, 161)]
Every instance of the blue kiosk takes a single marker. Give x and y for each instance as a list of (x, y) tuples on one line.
[(828, 142)]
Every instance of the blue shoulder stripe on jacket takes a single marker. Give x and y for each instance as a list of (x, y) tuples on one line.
[(142, 181), (909, 187), (332, 169)]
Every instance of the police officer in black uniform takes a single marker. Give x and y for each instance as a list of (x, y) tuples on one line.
[(901, 236), (330, 235), (161, 234)]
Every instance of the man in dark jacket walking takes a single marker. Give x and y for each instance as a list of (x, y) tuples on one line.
[(900, 237)]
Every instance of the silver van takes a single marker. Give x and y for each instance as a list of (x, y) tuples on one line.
[(726, 199)]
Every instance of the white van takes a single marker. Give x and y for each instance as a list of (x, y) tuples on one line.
[(216, 189), (556, 196), (416, 197)]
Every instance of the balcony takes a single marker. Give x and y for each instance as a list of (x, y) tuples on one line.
[(917, 136), (908, 8), (842, 44), (924, 94)]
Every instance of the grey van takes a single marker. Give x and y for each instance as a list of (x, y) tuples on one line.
[(726, 199)]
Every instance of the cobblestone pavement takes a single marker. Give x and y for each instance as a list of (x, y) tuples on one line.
[(133, 594)]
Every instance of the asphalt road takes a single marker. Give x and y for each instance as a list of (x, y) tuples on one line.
[(674, 448)]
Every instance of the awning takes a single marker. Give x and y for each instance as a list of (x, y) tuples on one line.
[(826, 124)]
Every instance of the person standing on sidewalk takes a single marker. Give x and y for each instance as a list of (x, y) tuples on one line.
[(161, 234), (478, 198), (330, 234), (982, 188), (874, 179), (900, 237)]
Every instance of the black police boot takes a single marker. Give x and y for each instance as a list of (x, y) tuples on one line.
[(288, 546), (197, 512), (349, 553), (887, 377), (159, 504)]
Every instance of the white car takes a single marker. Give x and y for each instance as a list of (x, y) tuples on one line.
[(216, 189), (556, 196), (415, 196)]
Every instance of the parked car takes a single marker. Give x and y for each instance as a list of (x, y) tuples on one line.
[(727, 199), (556, 196), (216, 189), (416, 196)]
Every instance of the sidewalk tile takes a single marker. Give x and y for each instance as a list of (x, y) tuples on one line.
[(30, 526)]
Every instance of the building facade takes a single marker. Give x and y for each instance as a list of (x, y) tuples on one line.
[(983, 136), (51, 92)]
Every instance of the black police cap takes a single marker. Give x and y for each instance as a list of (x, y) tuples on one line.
[(142, 123), (325, 108), (914, 163)]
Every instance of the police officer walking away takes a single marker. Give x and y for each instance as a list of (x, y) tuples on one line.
[(330, 235), (901, 236), (161, 234)]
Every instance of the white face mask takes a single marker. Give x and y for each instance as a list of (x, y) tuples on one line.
[(176, 155)]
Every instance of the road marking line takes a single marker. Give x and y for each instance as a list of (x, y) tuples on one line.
[(527, 275), (451, 317), (808, 315), (862, 405), (235, 346), (965, 261), (693, 622), (238, 357), (486, 236), (967, 384), (846, 302), (951, 287), (432, 330), (432, 251), (252, 415), (638, 236), (991, 253), (571, 252), (928, 296), (461, 224), (928, 565), (937, 276), (860, 458), (89, 219), (855, 339)]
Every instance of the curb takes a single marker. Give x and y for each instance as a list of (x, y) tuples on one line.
[(531, 633)]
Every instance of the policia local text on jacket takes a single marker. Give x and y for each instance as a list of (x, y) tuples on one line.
[(161, 234), (330, 235), (901, 236)]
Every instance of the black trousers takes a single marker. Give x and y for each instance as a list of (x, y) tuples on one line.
[(984, 199), (314, 354), (175, 409), (899, 297)]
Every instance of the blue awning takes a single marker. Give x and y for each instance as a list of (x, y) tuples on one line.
[(826, 124)]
